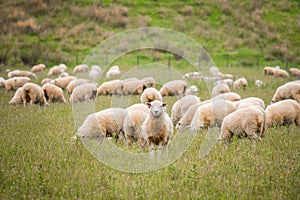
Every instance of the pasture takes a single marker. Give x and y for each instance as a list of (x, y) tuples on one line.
[(39, 160)]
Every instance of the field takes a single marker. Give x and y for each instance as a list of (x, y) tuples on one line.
[(39, 160)]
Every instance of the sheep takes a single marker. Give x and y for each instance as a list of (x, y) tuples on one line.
[(231, 96), (46, 80), (226, 76), (219, 89), (214, 71), (258, 83), (249, 101), (53, 93), (104, 124), (63, 82), (249, 122), (280, 73), (192, 75), (211, 114), (240, 83), (157, 127), (33, 94), (64, 74), (149, 82), (94, 75), (16, 82), (2, 82), (181, 106), (229, 82), (150, 94), (113, 71), (20, 73), (192, 90), (56, 71), (63, 67), (268, 70), (285, 112), (38, 68), (290, 90), (74, 83), (138, 106), (132, 126), (109, 88), (83, 68), (295, 72), (173, 88), (84, 92), (131, 86), (17, 98)]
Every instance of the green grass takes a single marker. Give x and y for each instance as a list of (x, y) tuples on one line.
[(38, 159)]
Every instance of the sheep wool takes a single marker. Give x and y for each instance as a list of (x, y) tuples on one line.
[(33, 94), (150, 94)]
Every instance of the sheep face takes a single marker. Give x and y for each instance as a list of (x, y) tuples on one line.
[(156, 108)]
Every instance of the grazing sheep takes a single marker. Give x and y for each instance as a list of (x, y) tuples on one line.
[(74, 83), (214, 71), (46, 80), (133, 126), (83, 68), (2, 82), (211, 114), (20, 73), (268, 70), (104, 124), (138, 106), (249, 122), (113, 71), (295, 72), (33, 94), (249, 101), (280, 73), (258, 83), (285, 112), (157, 127), (84, 92), (131, 86), (219, 89), (192, 90), (56, 71), (109, 88), (149, 82), (38, 68), (240, 83), (192, 75), (231, 96), (180, 107), (94, 75), (150, 94), (64, 74), (63, 82), (173, 88), (53, 93), (290, 90), (18, 97), (229, 82), (63, 67), (16, 82)]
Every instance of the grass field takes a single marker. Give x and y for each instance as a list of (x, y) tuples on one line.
[(39, 160)]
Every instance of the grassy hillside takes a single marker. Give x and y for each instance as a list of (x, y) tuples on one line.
[(251, 33)]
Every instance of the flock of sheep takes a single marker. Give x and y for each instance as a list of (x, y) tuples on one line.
[(147, 122)]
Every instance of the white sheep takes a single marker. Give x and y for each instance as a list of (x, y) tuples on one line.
[(150, 94), (105, 123), (149, 82), (258, 83), (38, 68), (15, 82), (82, 68), (249, 122), (280, 73), (229, 82), (64, 74), (2, 82), (181, 106), (33, 94), (46, 80), (84, 92), (211, 114), (157, 127), (21, 73), (109, 88), (55, 71), (131, 86), (240, 83), (63, 67), (214, 71), (133, 126), (268, 70), (63, 82), (94, 75), (53, 93), (18, 97), (219, 89), (231, 96), (295, 72), (113, 71), (138, 106), (192, 90), (226, 76), (290, 90), (285, 112), (249, 101), (173, 88), (192, 75), (74, 83)]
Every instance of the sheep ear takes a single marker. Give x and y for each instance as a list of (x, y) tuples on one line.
[(148, 104), (164, 105)]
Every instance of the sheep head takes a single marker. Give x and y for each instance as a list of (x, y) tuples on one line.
[(157, 108)]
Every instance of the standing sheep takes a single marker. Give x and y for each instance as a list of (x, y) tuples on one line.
[(84, 92), (16, 82), (20, 73), (290, 90), (131, 86), (173, 88), (113, 71), (157, 127), (285, 112), (74, 83), (249, 122), (33, 94), (192, 90), (55, 71), (148, 82), (249, 101), (38, 68), (63, 82), (150, 94), (18, 97), (109, 88), (268, 70), (280, 73), (83, 68), (53, 93), (231, 96), (295, 72), (240, 83), (138, 106), (219, 89), (2, 82)]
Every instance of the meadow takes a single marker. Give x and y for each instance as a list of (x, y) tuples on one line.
[(39, 160)]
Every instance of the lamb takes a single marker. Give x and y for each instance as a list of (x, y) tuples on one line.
[(56, 71), (157, 127), (83, 68), (285, 112), (211, 114), (150, 94), (280, 73), (240, 83), (181, 106), (17, 98), (109, 88), (84, 92), (148, 82), (132, 126), (249, 122), (138, 106), (192, 90), (295, 72), (20, 73), (53, 93), (173, 88), (219, 89), (249, 101), (74, 83), (33, 94), (63, 82), (105, 123), (192, 75), (113, 71), (38, 68), (290, 90), (231, 96), (16, 82)]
